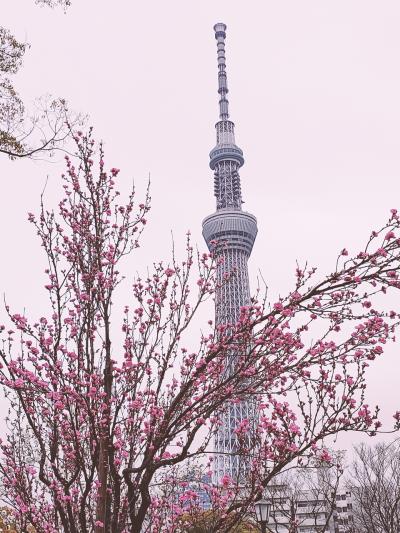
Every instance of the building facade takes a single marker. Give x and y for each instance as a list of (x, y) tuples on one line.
[(310, 511)]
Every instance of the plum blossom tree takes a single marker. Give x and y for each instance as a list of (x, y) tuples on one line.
[(102, 423)]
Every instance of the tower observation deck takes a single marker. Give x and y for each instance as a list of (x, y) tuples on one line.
[(229, 233)]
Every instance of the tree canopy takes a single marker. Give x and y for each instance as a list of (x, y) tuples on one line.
[(40, 129), (102, 430)]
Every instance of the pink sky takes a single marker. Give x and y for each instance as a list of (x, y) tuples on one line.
[(315, 95)]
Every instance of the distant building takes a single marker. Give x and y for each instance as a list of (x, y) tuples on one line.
[(343, 513), (311, 510)]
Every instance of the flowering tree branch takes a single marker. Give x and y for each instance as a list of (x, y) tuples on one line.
[(99, 425)]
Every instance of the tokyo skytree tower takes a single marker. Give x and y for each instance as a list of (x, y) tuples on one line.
[(235, 231)]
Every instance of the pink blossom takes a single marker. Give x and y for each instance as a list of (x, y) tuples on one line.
[(166, 455), (325, 456), (226, 481)]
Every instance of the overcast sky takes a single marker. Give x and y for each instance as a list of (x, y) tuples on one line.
[(315, 95)]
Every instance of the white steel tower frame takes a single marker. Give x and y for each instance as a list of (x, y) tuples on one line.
[(229, 233)]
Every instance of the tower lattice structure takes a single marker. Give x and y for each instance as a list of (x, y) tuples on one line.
[(229, 233)]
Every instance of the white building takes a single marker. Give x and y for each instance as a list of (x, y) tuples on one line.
[(310, 511)]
